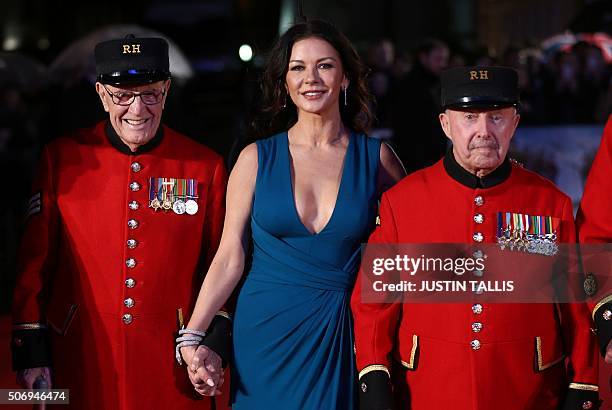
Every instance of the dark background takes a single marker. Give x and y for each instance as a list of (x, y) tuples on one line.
[(40, 101), (562, 85)]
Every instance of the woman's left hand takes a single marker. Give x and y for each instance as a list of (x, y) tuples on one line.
[(205, 371)]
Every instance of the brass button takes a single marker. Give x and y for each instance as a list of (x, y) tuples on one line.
[(477, 308), (476, 327), (135, 186), (127, 318), (129, 302), (132, 243), (130, 283), (478, 237), (587, 405), (134, 205), (479, 200), (136, 167), (475, 344), (133, 224), (478, 218), (607, 315), (130, 263)]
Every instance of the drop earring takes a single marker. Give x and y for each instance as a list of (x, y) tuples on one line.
[(345, 102)]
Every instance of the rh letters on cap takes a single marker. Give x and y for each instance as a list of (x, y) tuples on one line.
[(479, 75), (131, 48)]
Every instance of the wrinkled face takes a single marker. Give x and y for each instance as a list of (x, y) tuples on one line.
[(315, 76), (481, 137), (137, 123)]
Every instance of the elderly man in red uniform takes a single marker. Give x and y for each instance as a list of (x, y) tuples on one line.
[(594, 222), (481, 355), (123, 219)]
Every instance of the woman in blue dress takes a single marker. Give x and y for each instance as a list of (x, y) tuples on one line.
[(307, 197)]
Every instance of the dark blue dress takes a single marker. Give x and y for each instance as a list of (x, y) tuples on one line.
[(293, 338)]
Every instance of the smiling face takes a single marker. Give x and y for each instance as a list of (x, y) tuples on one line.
[(137, 123), (315, 76), (481, 138)]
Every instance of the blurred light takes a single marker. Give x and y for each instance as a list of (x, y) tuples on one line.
[(10, 43), (43, 43), (287, 16), (245, 52), (259, 61)]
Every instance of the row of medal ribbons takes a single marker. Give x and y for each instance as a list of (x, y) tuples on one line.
[(528, 233), (178, 195)]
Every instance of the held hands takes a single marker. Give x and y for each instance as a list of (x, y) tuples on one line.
[(27, 377), (204, 368)]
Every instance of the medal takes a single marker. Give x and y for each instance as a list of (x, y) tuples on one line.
[(179, 207), (178, 195), (527, 233), (155, 204), (191, 207), (167, 193), (153, 200)]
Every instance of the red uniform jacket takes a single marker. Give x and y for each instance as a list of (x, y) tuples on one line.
[(594, 222), (92, 243), (437, 360)]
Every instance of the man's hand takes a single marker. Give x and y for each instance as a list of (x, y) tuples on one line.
[(608, 357), (204, 368), (27, 377)]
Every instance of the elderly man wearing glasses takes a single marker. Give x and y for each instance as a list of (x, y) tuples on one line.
[(123, 219)]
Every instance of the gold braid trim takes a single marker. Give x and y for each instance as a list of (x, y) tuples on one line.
[(224, 314), (415, 345), (583, 386), (601, 303), (29, 326), (542, 366), (373, 368)]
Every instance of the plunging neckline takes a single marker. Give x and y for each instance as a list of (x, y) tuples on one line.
[(338, 193)]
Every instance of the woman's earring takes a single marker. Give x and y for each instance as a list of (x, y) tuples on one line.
[(345, 102), (285, 102)]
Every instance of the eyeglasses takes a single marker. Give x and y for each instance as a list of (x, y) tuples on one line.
[(149, 97)]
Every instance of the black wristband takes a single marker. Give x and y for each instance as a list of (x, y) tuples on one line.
[(577, 399), (375, 391), (219, 338), (604, 326), (30, 348)]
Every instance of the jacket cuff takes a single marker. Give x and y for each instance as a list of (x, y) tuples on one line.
[(582, 396), (30, 346), (375, 391), (219, 336), (602, 316)]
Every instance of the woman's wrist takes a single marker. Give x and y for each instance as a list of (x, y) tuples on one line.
[(187, 337)]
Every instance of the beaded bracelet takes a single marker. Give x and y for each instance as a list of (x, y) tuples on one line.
[(187, 337)]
